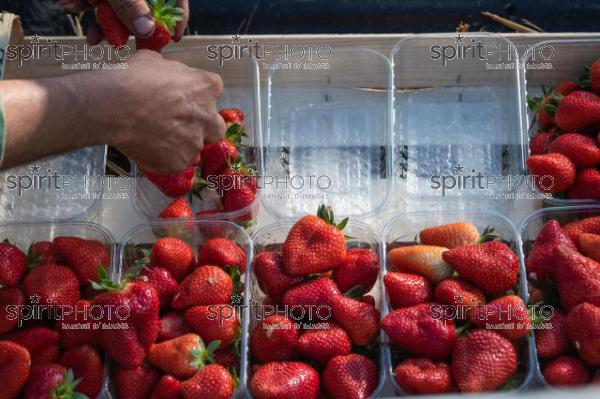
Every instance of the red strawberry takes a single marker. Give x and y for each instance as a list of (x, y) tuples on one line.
[(582, 150), (217, 156), (540, 143), (406, 290), (567, 87), (87, 367), (566, 370), (587, 185), (274, 339), (165, 285), (173, 254), (136, 383), (14, 368), (507, 315), (71, 336), (491, 266), (134, 303), (227, 358), (315, 244), (583, 327), (421, 330), (461, 294), (83, 256), (166, 16), (214, 323), (172, 325), (206, 285), (48, 381), (52, 285), (541, 258), (577, 278), (588, 225), (10, 301), (174, 184), (423, 376), (40, 342), (167, 388), (553, 173), (232, 115), (271, 278), (212, 382), (578, 112), (181, 357), (324, 343), (483, 361), (359, 319), (350, 376), (42, 252), (13, 265), (179, 208), (285, 380), (222, 252), (590, 245), (115, 32), (554, 341), (237, 199), (360, 268), (309, 297)]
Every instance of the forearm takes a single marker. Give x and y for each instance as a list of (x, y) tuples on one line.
[(44, 117)]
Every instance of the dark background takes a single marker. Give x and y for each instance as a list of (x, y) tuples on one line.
[(44, 17)]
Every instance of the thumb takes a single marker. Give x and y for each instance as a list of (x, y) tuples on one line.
[(136, 15)]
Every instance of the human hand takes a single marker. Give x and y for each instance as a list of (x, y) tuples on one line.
[(136, 15), (157, 112)]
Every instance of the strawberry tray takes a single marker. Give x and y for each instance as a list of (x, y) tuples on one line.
[(241, 80), (326, 134), (457, 114), (195, 234), (530, 228), (271, 238), (23, 234), (403, 231), (566, 58)]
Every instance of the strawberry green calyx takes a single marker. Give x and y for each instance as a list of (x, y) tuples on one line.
[(235, 133), (326, 213), (489, 234), (166, 13), (203, 355), (236, 278), (104, 282), (65, 389), (552, 105)]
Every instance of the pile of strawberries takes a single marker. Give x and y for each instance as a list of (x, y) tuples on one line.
[(564, 272), (455, 323), (565, 153), (324, 333), (218, 165), (183, 335), (40, 357)]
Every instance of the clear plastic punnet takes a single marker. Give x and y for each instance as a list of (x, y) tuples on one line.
[(403, 229), (66, 187), (546, 65), (240, 90), (326, 134), (271, 238), (457, 118)]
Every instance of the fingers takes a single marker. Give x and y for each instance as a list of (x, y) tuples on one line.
[(136, 15), (215, 129), (181, 25)]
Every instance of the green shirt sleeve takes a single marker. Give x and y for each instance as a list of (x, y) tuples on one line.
[(2, 132)]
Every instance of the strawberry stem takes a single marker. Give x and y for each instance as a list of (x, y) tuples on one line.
[(65, 389), (202, 355)]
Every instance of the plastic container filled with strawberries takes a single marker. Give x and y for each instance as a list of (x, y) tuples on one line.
[(47, 333), (183, 285), (315, 303), (562, 248), (455, 315), (564, 120), (221, 184)]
